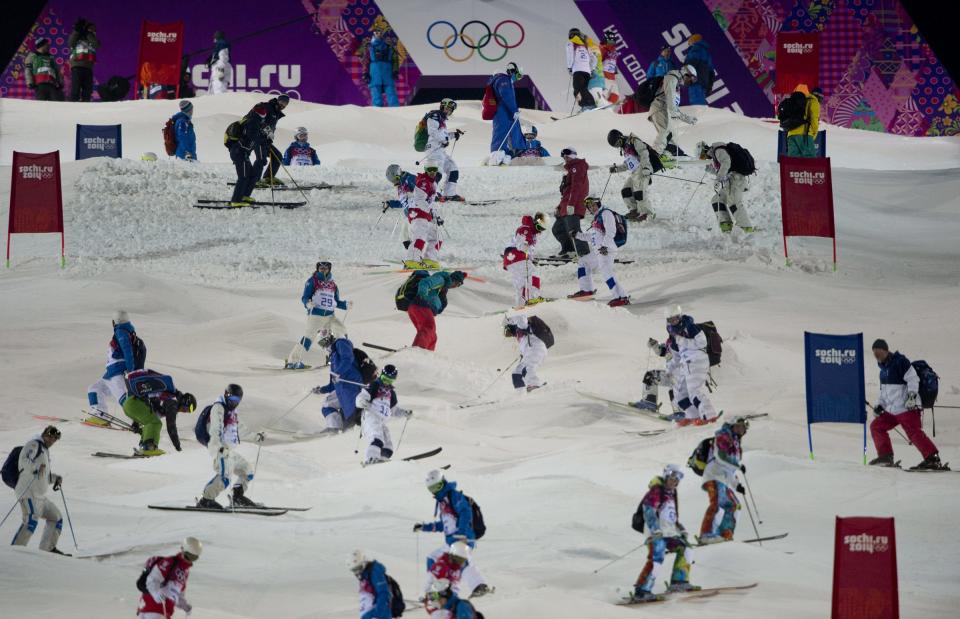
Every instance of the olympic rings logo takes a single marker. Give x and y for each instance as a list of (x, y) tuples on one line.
[(474, 43)]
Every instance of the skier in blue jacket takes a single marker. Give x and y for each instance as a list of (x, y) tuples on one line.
[(321, 297), (507, 119), (300, 152), (699, 56), (374, 586), (126, 354), (382, 70), (662, 64), (183, 129), (340, 407)]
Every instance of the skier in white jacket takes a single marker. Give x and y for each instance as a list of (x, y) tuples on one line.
[(533, 352), (691, 391), (728, 189), (377, 402), (221, 71), (602, 254), (438, 138), (32, 484), (666, 107), (224, 429)]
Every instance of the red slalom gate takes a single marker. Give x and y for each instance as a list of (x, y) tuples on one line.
[(806, 200), (36, 197), (865, 569)]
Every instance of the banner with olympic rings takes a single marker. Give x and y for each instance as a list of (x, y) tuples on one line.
[(476, 43)]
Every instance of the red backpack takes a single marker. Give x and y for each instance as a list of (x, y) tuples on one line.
[(169, 138), (488, 106)]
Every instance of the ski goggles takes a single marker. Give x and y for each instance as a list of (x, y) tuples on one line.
[(387, 380), (437, 487), (189, 556), (324, 267), (234, 400)]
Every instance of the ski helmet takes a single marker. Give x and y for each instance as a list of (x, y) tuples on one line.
[(672, 470), (509, 330), (324, 264), (540, 222), (530, 133), (568, 152), (688, 71), (435, 481), (232, 395), (389, 374), (356, 562), (592, 201), (187, 402), (191, 549), (440, 586), (301, 131), (121, 317), (615, 138), (514, 70), (574, 32), (449, 105), (610, 37), (148, 156), (459, 550), (51, 431), (674, 311), (741, 421), (393, 173)]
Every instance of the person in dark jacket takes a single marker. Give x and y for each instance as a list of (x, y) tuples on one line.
[(699, 56), (150, 397), (430, 301), (251, 139), (83, 45), (574, 188), (42, 74), (271, 158)]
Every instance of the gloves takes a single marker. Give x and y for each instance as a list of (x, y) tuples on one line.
[(184, 605), (613, 169), (386, 205), (57, 481), (652, 343), (439, 221), (457, 134), (743, 469), (446, 143), (318, 390), (310, 305), (402, 412), (349, 304), (516, 115), (603, 250), (135, 427), (912, 401), (417, 527), (261, 436), (740, 489), (878, 410)]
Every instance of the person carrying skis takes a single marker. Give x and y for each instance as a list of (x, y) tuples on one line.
[(183, 130), (507, 136), (574, 188), (242, 138), (221, 71), (377, 402), (602, 255), (424, 221), (300, 153), (731, 183), (164, 581), (41, 73), (347, 377), (899, 405), (321, 297), (127, 353), (691, 348), (456, 523), (438, 138), (720, 482), (665, 534), (224, 444), (269, 157), (636, 159), (150, 396), (666, 107), (533, 352), (375, 595), (518, 260), (34, 478), (609, 55), (442, 598), (430, 301), (580, 64)]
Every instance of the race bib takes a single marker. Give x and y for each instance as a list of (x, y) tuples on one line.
[(381, 406), (631, 162)]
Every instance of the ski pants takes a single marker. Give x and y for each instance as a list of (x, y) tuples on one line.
[(526, 281), (377, 436), (221, 74), (34, 510), (660, 117), (271, 167), (425, 243), (525, 374), (81, 83), (581, 89), (728, 201), (722, 498), (612, 91), (150, 424), (470, 576), (247, 173), (504, 125), (801, 145), (381, 81), (565, 228), (324, 325), (438, 155), (226, 465), (425, 324), (47, 91), (634, 193), (657, 550), (98, 392), (331, 411), (595, 261), (692, 393), (912, 424), (654, 379)]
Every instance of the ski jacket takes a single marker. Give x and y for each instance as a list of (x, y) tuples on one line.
[(602, 231), (574, 188), (722, 162), (251, 133), (405, 193), (431, 292), (502, 85), (690, 339), (532, 148), (437, 134), (668, 97), (660, 66), (83, 49), (374, 592), (345, 377), (458, 608), (660, 510), (300, 153), (220, 53), (897, 380), (166, 584), (579, 59), (423, 203), (381, 51), (455, 516), (224, 427), (812, 114), (120, 358), (186, 138), (324, 293), (274, 114), (444, 568), (609, 55), (636, 157), (524, 240), (41, 69), (35, 473), (156, 389), (378, 398), (724, 460)]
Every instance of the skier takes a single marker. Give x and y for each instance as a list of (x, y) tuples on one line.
[(671, 377), (224, 431), (665, 108), (375, 594), (691, 348), (664, 534), (662, 64), (164, 580), (609, 55), (720, 482), (801, 137), (533, 352), (350, 371), (455, 515), (531, 147), (638, 160), (183, 129), (382, 68), (406, 185), (321, 297), (449, 566), (83, 44), (602, 255), (242, 138), (442, 598), (507, 136), (438, 138), (34, 478), (727, 161), (698, 56), (899, 405), (376, 402), (574, 188), (597, 83), (430, 301), (42, 74), (424, 220), (580, 64), (518, 260), (269, 157), (221, 71), (300, 153), (152, 395), (127, 353)]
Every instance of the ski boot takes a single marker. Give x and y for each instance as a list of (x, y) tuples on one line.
[(267, 182), (249, 200), (57, 551), (96, 420), (430, 264), (148, 449), (748, 229), (481, 590), (668, 162), (413, 264), (931, 463), (682, 587), (454, 198), (710, 538), (885, 460), (644, 405), (676, 417), (640, 595), (534, 387), (632, 216), (726, 226), (206, 503), (294, 366), (535, 300), (239, 204), (580, 294), (619, 301), (237, 499)]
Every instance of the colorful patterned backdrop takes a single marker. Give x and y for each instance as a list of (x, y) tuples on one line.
[(50, 26)]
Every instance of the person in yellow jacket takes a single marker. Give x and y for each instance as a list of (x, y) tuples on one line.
[(801, 139)]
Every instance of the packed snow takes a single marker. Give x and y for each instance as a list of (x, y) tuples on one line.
[(216, 296)]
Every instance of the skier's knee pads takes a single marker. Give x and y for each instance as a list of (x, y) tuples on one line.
[(306, 343), (684, 403), (517, 381), (719, 206), (386, 453), (406, 244), (581, 272), (454, 176), (651, 378), (626, 193), (638, 195), (377, 443), (732, 208)]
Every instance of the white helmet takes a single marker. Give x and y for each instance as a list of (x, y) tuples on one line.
[(688, 70), (148, 156), (192, 546), (356, 561), (460, 550), (672, 470), (672, 311), (393, 172), (120, 317), (301, 131), (434, 478)]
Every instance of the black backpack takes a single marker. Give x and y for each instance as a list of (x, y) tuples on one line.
[(541, 330), (407, 291), (368, 369), (620, 223), (142, 580), (698, 459), (655, 161), (202, 429), (714, 342), (637, 523), (648, 90), (929, 383), (397, 605), (479, 528), (792, 111), (741, 161)]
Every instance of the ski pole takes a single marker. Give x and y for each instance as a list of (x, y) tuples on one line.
[(746, 482), (292, 180), (270, 168), (291, 409), (602, 193), (260, 437), (356, 448), (17, 502), (383, 212), (515, 120), (502, 372), (752, 521), (69, 521), (623, 556), (687, 205), (677, 178), (378, 347), (402, 432), (909, 442)]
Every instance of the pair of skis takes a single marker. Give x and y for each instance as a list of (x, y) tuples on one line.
[(226, 205), (553, 261), (255, 511), (685, 595)]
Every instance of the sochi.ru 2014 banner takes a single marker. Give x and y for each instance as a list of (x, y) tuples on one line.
[(98, 141), (865, 583), (36, 197), (806, 199), (834, 379)]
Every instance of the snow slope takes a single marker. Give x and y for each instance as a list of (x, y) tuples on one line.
[(215, 295)]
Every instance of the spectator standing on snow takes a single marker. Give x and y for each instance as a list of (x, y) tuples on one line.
[(221, 71), (42, 74), (382, 67), (83, 45), (183, 130), (699, 57)]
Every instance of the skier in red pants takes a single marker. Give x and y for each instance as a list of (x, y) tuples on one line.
[(899, 405), (430, 301)]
